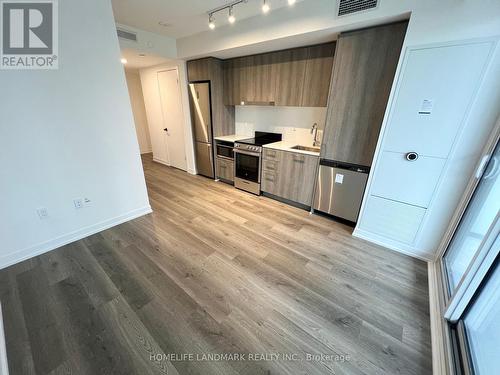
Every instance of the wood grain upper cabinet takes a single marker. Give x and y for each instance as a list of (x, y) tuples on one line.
[(249, 79), (290, 74), (318, 75), (199, 70), (364, 69), (231, 94), (211, 69), (264, 78)]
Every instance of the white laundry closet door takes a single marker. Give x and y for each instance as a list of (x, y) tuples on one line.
[(173, 119)]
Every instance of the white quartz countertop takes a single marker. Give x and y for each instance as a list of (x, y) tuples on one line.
[(231, 138), (287, 146)]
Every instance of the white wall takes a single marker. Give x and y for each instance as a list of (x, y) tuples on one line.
[(139, 110), (66, 134), (149, 43), (149, 79), (294, 123)]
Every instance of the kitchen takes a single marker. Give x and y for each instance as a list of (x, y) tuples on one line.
[(252, 187), (242, 109)]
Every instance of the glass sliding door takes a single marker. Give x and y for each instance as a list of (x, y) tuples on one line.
[(482, 326), (475, 224), (471, 276)]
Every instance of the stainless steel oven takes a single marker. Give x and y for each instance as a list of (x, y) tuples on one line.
[(247, 160), (225, 150), (247, 164)]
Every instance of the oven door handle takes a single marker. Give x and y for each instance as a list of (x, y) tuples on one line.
[(224, 146), (249, 153)]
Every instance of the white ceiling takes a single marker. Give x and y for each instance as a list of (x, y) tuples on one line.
[(182, 17), (135, 61)]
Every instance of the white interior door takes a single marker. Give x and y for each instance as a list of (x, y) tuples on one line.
[(173, 119)]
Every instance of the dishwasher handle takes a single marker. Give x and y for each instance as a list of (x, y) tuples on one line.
[(343, 165)]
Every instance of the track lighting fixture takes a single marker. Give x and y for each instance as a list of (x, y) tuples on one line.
[(231, 17), (211, 22), (265, 7)]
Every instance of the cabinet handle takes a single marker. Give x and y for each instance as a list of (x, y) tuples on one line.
[(411, 156)]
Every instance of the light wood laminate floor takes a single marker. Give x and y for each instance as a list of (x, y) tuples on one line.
[(216, 270)]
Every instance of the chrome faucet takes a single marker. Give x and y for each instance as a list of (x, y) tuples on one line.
[(314, 130)]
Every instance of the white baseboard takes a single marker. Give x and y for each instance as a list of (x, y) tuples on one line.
[(65, 239), (192, 171), (439, 334), (161, 161), (392, 245), (4, 367)]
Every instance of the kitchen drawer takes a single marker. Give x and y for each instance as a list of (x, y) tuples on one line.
[(393, 220), (225, 169), (412, 182), (270, 165), (270, 154), (269, 182)]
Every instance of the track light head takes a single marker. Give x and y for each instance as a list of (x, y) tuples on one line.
[(211, 22), (265, 7), (231, 18)]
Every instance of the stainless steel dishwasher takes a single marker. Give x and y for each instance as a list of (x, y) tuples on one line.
[(340, 188)]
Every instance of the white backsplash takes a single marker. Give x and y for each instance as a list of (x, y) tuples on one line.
[(294, 123)]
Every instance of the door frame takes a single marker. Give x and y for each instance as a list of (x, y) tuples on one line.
[(176, 69)]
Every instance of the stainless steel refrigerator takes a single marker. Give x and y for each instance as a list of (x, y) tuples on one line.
[(201, 115)]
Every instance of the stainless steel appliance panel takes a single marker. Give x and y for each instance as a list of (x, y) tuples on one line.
[(339, 192), (224, 151), (251, 187), (204, 159), (247, 165), (199, 96)]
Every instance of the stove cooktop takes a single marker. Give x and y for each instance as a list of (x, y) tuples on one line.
[(261, 139)]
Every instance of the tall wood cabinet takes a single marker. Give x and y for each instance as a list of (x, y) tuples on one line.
[(365, 65), (210, 69), (317, 76), (294, 77)]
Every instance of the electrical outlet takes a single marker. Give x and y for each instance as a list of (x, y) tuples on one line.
[(78, 203), (42, 212)]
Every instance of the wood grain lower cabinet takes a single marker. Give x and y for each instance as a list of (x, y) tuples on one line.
[(224, 169), (289, 175)]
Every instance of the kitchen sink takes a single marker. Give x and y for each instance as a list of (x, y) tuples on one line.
[(306, 148)]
